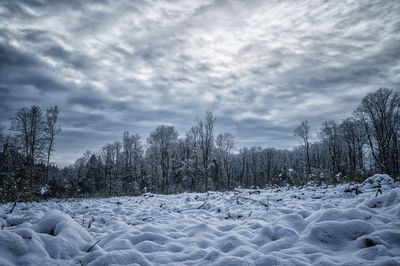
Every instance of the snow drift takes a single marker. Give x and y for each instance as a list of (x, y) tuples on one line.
[(277, 226)]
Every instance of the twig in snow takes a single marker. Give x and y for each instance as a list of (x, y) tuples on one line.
[(201, 206), (93, 246), (254, 192), (145, 219), (259, 202), (90, 222), (378, 191), (12, 209), (369, 242), (255, 263), (237, 191), (353, 188)]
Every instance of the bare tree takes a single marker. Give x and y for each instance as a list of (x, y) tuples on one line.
[(193, 143), (379, 113), (80, 166), (163, 140), (30, 125), (269, 154), (52, 130), (332, 139), (351, 129), (108, 159), (225, 143), (303, 131), (132, 156), (206, 129)]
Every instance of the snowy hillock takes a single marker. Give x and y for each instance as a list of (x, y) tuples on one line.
[(379, 181), (331, 225)]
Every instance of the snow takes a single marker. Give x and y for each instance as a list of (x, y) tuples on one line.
[(378, 181), (278, 226)]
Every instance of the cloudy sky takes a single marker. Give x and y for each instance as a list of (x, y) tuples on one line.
[(260, 66)]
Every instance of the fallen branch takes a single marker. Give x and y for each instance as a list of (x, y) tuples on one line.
[(93, 246), (12, 209), (201, 206), (253, 200), (254, 192)]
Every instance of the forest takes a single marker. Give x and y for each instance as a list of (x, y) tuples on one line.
[(349, 150)]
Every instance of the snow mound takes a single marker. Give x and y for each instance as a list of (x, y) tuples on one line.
[(331, 232), (117, 257), (391, 198), (56, 238), (379, 181), (280, 226), (63, 238)]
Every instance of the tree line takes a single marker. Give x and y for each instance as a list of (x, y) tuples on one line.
[(350, 150)]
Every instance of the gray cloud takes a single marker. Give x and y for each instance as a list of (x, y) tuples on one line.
[(261, 66)]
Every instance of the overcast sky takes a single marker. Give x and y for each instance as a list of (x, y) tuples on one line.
[(260, 66)]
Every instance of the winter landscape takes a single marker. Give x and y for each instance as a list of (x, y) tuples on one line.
[(207, 132)]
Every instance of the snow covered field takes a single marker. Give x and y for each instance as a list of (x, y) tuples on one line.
[(279, 226)]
